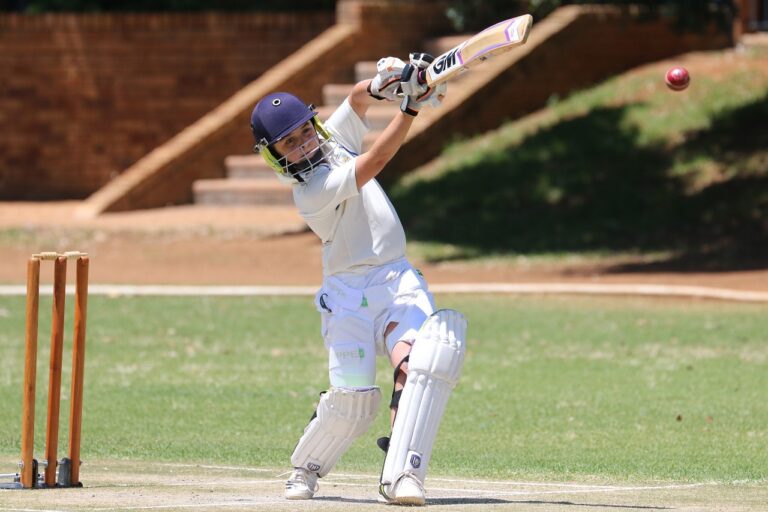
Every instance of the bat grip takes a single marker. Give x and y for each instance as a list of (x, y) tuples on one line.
[(421, 76)]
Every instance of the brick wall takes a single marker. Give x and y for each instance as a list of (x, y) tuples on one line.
[(83, 97)]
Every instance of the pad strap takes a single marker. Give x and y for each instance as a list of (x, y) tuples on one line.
[(393, 403), (383, 442)]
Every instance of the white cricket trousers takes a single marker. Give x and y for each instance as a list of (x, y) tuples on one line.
[(356, 310)]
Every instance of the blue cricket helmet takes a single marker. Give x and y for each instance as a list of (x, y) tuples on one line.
[(277, 115)]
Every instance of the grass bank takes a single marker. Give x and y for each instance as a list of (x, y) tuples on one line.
[(624, 167)]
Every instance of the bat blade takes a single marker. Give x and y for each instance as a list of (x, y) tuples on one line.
[(494, 40)]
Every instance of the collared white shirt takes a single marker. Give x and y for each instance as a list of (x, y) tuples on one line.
[(360, 229)]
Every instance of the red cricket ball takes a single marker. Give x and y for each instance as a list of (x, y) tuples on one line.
[(678, 78)]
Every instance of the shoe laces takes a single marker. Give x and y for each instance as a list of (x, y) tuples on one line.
[(302, 476), (412, 477), (384, 488)]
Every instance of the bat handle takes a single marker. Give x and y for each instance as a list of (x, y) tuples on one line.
[(421, 76)]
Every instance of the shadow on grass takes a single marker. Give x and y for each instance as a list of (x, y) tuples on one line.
[(496, 501), (480, 500), (587, 185)]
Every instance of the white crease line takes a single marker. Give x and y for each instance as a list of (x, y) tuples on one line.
[(490, 492), (457, 493), (525, 484), (119, 290), (31, 510), (227, 468), (629, 289), (332, 478), (606, 289), (577, 488), (249, 503), (486, 493), (196, 483), (329, 478), (340, 483), (564, 488), (374, 481)]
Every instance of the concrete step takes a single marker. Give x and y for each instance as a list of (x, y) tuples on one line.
[(335, 94), (325, 111), (248, 167), (755, 40), (226, 192), (365, 70), (379, 114)]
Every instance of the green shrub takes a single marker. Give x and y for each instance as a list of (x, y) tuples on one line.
[(693, 15)]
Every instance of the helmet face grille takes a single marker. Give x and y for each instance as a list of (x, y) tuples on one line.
[(314, 154)]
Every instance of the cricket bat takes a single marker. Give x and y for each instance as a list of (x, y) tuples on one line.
[(494, 40)]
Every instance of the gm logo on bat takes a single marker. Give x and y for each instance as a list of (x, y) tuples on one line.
[(445, 62)]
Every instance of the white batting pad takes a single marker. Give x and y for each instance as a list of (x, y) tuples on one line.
[(342, 416), (433, 371)]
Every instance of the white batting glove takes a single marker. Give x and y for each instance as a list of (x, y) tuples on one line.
[(385, 85), (433, 97), (410, 83), (421, 60)]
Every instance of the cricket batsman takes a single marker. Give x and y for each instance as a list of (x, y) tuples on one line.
[(372, 301)]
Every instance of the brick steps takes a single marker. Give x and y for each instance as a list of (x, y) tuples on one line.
[(379, 114), (253, 167), (247, 167), (227, 192)]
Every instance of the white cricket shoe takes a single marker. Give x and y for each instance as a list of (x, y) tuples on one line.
[(302, 485), (405, 490)]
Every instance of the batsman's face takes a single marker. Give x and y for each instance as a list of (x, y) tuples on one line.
[(299, 145)]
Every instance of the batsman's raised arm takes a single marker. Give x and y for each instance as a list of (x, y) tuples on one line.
[(372, 162), (394, 81)]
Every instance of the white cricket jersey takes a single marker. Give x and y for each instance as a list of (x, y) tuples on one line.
[(359, 228)]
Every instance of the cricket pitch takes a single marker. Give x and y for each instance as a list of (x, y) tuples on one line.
[(129, 485)]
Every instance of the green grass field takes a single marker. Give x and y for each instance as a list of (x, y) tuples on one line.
[(553, 388)]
